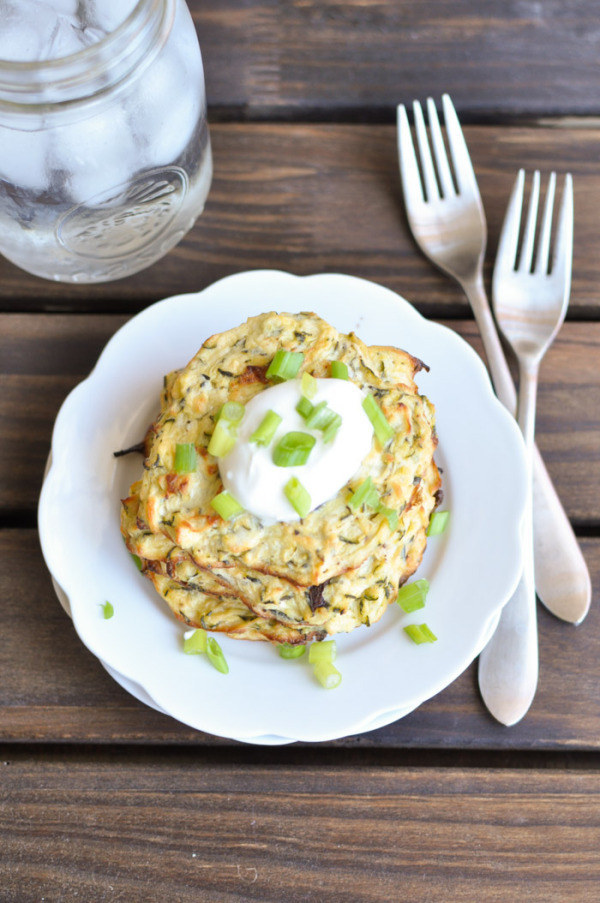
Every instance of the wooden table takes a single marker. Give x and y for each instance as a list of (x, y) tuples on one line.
[(104, 799)]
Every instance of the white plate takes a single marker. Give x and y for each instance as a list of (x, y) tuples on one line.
[(267, 739), (473, 567)]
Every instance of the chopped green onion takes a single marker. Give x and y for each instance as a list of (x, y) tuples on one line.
[(383, 428), (390, 515), (232, 411), (223, 438), (338, 370), (438, 523), (107, 610), (330, 431), (420, 633), (324, 651), (285, 365), (365, 494), (412, 596), (318, 418), (297, 496), (323, 418), (327, 675), (137, 561), (264, 433), (215, 655), (308, 385), (195, 641), (287, 651), (304, 407), (185, 457), (293, 449), (226, 505)]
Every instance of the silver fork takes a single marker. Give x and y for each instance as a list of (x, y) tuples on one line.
[(530, 304), (446, 217)]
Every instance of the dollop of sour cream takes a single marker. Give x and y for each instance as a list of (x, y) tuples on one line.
[(248, 471)]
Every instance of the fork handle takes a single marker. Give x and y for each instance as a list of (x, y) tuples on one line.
[(508, 666), (561, 575), (501, 378)]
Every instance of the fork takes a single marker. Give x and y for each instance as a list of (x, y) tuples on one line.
[(530, 303), (446, 218)]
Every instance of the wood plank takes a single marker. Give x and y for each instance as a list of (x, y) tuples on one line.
[(321, 59), (326, 198), (54, 690), (43, 357), (177, 827)]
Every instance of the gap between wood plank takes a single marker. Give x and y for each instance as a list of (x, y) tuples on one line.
[(225, 114), (300, 756), (124, 307)]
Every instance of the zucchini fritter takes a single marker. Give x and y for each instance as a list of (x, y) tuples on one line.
[(287, 582)]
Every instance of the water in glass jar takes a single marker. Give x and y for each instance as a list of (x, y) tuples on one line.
[(107, 187)]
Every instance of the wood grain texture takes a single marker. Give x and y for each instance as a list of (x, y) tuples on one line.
[(147, 828), (324, 58), (141, 808), (54, 690), (327, 198), (43, 357)]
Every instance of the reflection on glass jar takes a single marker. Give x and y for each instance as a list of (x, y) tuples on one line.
[(105, 158)]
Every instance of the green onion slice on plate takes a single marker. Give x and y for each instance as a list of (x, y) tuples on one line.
[(365, 494), (195, 641), (308, 385), (297, 496), (338, 370), (223, 438), (304, 407), (412, 596), (318, 416), (226, 505), (325, 651), (263, 434), (185, 457), (327, 675), (285, 650), (420, 633), (382, 427), (293, 449), (107, 610), (232, 411), (215, 655), (438, 523), (285, 365), (333, 425)]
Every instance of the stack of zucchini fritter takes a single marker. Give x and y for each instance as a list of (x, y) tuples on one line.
[(288, 582)]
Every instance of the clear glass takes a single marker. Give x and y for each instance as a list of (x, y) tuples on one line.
[(105, 159)]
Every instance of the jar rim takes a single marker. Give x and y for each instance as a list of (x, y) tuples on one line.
[(41, 85)]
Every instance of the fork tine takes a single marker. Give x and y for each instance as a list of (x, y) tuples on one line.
[(563, 249), (506, 255), (441, 158), (431, 186), (543, 253), (529, 236), (409, 169), (463, 168)]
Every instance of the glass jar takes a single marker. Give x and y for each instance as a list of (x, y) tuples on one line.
[(105, 158)]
